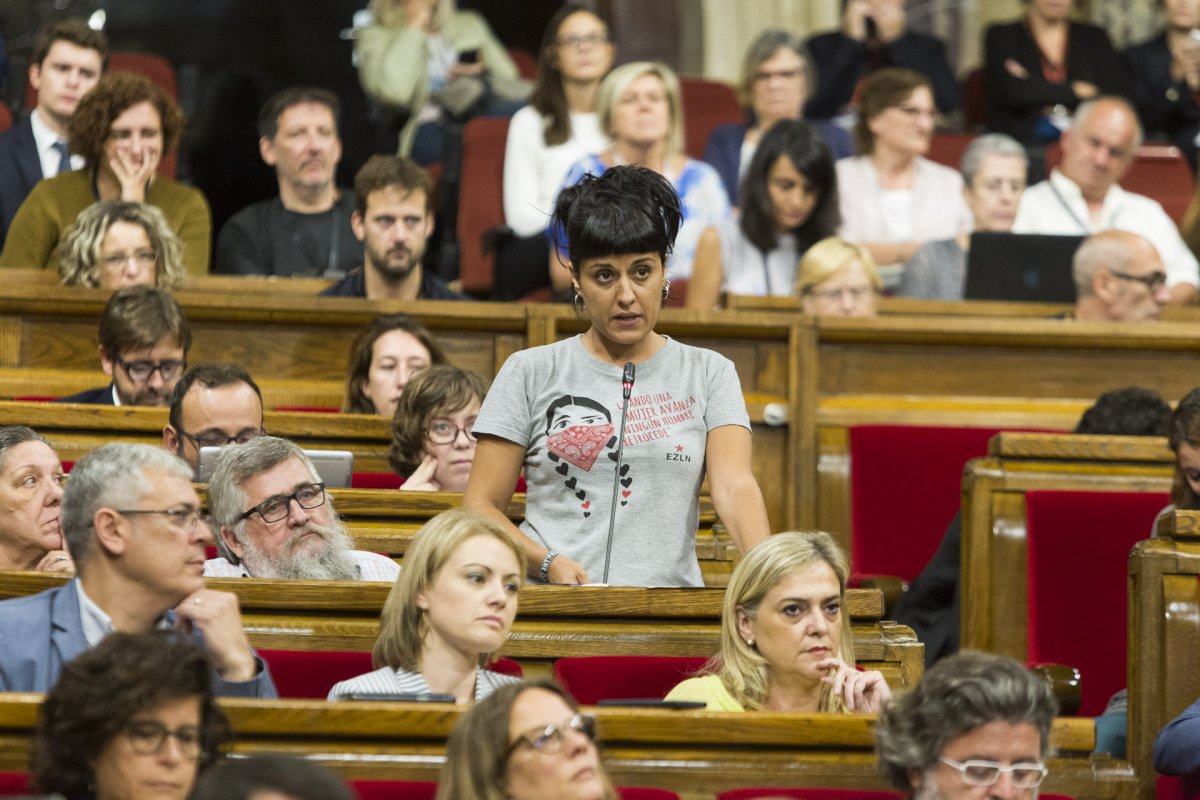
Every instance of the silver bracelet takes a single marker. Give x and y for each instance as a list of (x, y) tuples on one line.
[(544, 571)]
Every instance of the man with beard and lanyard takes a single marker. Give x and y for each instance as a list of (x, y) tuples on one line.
[(306, 229), (393, 217), (977, 725), (275, 520)]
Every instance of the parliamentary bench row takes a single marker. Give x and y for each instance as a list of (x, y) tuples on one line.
[(552, 621), (696, 754)]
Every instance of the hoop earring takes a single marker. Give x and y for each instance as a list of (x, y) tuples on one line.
[(577, 303), (666, 289)]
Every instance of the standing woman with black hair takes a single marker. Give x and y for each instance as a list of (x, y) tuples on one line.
[(558, 127), (555, 410), (789, 203)]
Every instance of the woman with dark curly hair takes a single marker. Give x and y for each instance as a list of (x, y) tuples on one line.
[(433, 445), (123, 128), (385, 355), (132, 718)]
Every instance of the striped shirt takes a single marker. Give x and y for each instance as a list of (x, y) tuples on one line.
[(400, 681)]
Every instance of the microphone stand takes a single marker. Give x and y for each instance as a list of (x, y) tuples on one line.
[(626, 390)]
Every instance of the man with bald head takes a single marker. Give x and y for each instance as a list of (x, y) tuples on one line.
[(1082, 195), (1119, 277)]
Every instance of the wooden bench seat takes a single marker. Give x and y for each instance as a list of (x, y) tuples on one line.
[(697, 754), (994, 557), (553, 621)]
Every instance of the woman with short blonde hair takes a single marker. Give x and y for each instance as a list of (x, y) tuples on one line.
[(838, 278)]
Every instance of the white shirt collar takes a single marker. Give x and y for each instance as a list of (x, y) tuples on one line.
[(96, 624), (44, 137)]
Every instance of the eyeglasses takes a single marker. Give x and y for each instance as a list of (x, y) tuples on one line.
[(141, 371), (986, 773), (853, 293), (549, 740), (148, 737), (218, 439), (783, 74), (276, 507), (184, 519), (1154, 281), (447, 433), (143, 258), (578, 42)]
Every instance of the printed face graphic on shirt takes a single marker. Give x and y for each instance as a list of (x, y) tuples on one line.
[(577, 433)]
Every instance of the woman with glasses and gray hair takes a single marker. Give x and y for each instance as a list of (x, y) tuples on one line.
[(433, 445), (115, 243), (993, 170), (133, 717), (777, 75), (975, 720), (527, 741)]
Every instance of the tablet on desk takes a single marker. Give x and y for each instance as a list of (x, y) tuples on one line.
[(334, 467)]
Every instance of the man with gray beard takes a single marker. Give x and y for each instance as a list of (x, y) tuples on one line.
[(276, 520)]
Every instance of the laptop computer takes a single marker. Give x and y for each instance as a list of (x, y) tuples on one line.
[(334, 467), (1021, 266)]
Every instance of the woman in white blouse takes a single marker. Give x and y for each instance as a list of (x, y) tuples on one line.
[(893, 200)]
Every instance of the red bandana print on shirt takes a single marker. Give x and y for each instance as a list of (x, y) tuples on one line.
[(580, 444)]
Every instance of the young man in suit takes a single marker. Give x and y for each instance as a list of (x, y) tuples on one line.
[(68, 58)]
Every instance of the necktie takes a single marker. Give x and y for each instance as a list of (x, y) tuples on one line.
[(64, 156)]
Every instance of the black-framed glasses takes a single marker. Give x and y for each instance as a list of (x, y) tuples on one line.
[(549, 740), (275, 507), (141, 371), (219, 439), (578, 42), (1154, 281), (444, 432), (148, 738), (985, 773), (183, 518)]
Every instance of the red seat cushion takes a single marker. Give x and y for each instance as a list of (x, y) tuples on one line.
[(311, 674), (1077, 540), (590, 679), (14, 783), (905, 488), (394, 790), (706, 105), (375, 480), (642, 793), (481, 199), (809, 794)]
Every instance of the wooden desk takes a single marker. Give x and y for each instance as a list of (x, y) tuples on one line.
[(1164, 635), (993, 536), (694, 753), (553, 621)]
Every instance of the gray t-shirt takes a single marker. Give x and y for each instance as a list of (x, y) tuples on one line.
[(563, 406)]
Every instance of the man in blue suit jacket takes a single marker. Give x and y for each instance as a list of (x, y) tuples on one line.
[(131, 520), (66, 62)]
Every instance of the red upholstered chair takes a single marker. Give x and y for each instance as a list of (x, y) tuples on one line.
[(481, 199), (974, 95), (1158, 171), (809, 794), (14, 783), (947, 148), (6, 117), (642, 793), (394, 790), (526, 62), (311, 674), (308, 409), (590, 679), (375, 480), (706, 104), (904, 491), (1075, 536)]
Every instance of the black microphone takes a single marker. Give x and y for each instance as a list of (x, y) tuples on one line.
[(626, 389)]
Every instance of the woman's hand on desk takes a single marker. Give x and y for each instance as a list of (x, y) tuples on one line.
[(564, 570)]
